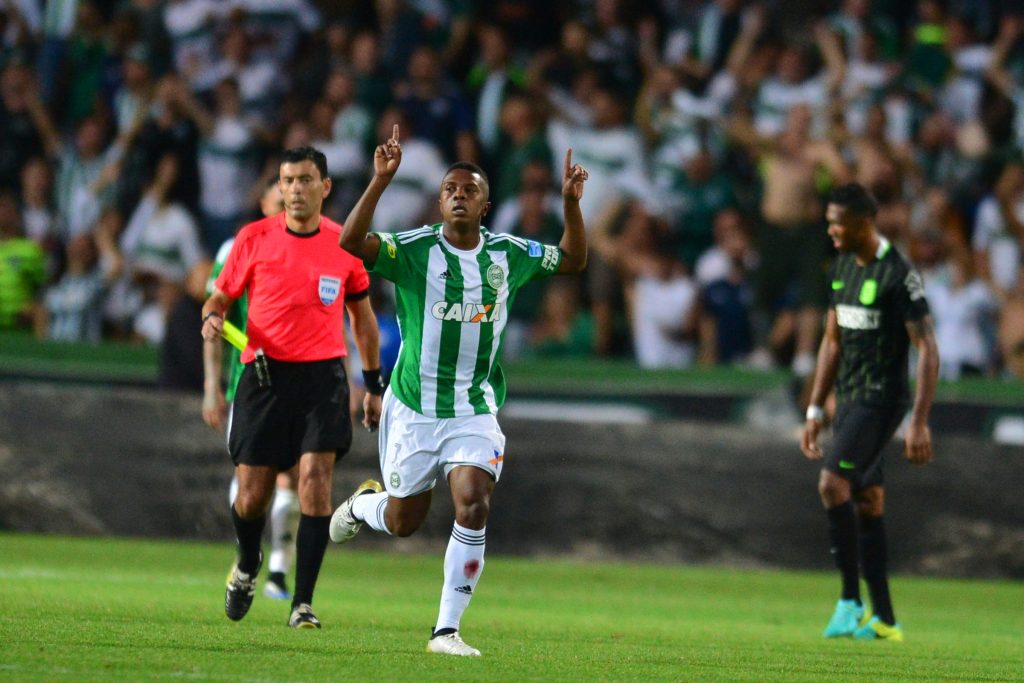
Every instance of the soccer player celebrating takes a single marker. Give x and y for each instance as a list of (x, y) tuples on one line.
[(877, 310), (454, 284), (292, 402)]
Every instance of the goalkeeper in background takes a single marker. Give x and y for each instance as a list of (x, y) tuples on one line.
[(284, 514)]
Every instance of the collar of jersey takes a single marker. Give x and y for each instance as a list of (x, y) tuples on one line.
[(883, 247), (452, 248)]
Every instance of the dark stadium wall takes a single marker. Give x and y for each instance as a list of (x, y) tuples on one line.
[(88, 460)]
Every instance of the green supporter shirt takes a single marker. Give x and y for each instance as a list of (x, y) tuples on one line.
[(452, 310), (22, 273), (237, 315)]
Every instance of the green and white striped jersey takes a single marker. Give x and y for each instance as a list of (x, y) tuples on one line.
[(452, 311)]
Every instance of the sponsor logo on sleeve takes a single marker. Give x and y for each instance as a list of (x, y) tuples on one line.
[(550, 260), (914, 285), (535, 248), (330, 286)]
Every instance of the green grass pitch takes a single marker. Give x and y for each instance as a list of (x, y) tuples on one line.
[(114, 609)]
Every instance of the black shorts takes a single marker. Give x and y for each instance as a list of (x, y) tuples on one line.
[(860, 435), (305, 410)]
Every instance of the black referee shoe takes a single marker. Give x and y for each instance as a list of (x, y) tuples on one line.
[(240, 589)]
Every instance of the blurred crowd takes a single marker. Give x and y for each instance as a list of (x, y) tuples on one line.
[(136, 136)]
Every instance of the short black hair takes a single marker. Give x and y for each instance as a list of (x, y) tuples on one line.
[(472, 168), (855, 199), (297, 154)]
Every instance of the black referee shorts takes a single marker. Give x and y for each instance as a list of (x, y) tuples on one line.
[(304, 410), (860, 435)]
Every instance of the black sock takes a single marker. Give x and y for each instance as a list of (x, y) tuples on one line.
[(278, 578), (842, 534), (310, 545), (874, 556), (248, 533)]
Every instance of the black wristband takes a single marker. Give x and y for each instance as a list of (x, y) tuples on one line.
[(373, 382), (211, 314)]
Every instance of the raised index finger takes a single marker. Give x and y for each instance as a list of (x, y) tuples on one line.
[(568, 161), (394, 133)]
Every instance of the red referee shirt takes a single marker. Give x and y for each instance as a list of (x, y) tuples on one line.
[(298, 285)]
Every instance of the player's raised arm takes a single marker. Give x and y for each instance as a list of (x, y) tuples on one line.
[(574, 238), (386, 159), (919, 436)]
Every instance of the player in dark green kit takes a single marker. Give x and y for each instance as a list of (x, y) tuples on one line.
[(877, 311)]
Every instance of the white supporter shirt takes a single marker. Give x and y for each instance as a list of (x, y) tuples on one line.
[(960, 317), (660, 309), (227, 167), (191, 25), (992, 236), (161, 239), (775, 98), (615, 160), (416, 184)]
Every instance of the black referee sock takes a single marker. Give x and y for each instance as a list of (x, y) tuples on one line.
[(249, 532), (874, 557), (842, 534), (310, 544)]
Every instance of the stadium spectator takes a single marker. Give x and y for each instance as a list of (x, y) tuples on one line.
[(523, 143), (180, 365), (39, 215), (727, 292), (964, 311), (999, 231), (437, 106), (791, 244), (22, 268), (227, 157), (73, 306)]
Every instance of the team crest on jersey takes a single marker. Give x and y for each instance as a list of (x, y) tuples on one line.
[(495, 276), (330, 286)]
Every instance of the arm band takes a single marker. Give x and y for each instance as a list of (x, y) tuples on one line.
[(815, 413), (373, 382), (212, 314)]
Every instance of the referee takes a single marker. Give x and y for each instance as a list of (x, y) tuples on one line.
[(877, 310), (292, 401)]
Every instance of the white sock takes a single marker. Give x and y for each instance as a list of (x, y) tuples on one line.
[(370, 508), (463, 564), (233, 490), (284, 526)]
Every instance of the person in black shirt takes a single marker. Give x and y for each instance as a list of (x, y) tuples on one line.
[(877, 310)]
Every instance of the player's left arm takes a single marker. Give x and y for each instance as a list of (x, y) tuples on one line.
[(574, 237), (367, 338), (919, 436)]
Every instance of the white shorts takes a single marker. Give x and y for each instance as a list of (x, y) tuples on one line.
[(415, 449)]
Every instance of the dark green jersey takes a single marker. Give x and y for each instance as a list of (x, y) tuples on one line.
[(873, 303)]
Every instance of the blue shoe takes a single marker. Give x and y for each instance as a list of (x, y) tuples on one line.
[(876, 629), (849, 615), (275, 589)]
